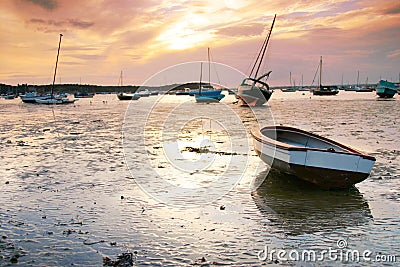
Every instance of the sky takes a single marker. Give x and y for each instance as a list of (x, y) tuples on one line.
[(101, 38)]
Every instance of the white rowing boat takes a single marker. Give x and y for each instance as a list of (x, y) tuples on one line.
[(311, 157)]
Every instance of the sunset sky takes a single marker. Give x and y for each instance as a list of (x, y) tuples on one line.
[(142, 37)]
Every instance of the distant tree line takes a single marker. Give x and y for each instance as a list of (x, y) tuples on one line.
[(21, 89)]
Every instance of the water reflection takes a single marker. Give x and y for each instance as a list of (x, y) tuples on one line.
[(297, 207)]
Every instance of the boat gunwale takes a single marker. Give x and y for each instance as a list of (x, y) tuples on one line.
[(257, 134)]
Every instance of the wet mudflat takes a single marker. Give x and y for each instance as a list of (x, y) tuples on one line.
[(75, 192)]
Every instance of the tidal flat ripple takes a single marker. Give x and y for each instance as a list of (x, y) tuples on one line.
[(69, 196)]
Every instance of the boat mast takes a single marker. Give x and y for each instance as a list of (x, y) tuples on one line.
[(342, 79), (358, 76), (120, 79), (209, 68), (201, 74), (320, 73), (55, 70), (262, 51)]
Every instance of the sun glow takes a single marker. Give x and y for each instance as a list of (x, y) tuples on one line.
[(187, 33)]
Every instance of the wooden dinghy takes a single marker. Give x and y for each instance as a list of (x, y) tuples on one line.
[(311, 157)]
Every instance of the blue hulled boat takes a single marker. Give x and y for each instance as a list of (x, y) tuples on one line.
[(386, 89), (206, 92)]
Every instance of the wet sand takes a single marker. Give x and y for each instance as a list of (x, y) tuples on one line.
[(72, 190)]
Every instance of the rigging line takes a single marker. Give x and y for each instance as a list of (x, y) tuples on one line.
[(215, 68), (315, 75), (209, 66), (55, 70), (265, 47), (258, 56)]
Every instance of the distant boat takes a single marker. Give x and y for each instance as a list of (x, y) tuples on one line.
[(207, 93), (83, 95), (253, 91), (292, 88), (154, 92), (386, 89), (311, 157), (289, 89), (207, 98), (31, 97), (364, 89), (206, 90), (351, 88), (302, 88), (9, 96), (144, 93), (124, 96), (327, 89), (185, 91), (55, 100)]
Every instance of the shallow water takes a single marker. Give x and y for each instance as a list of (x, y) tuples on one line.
[(80, 183)]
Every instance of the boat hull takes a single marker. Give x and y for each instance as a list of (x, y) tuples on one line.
[(252, 96), (205, 92), (326, 90), (128, 96), (55, 101), (331, 165), (83, 95), (32, 99), (209, 98), (386, 89)]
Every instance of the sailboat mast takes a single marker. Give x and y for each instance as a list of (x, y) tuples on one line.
[(320, 72), (209, 66), (55, 70), (201, 75), (262, 51), (342, 80), (358, 76)]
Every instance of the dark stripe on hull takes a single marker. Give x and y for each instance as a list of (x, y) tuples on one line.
[(386, 94), (325, 92), (322, 177)]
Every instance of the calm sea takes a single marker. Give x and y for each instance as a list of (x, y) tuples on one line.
[(170, 181)]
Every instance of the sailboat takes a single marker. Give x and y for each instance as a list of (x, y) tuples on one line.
[(55, 100), (207, 93), (291, 88), (326, 89), (302, 88), (207, 98), (253, 91), (365, 88), (124, 96)]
